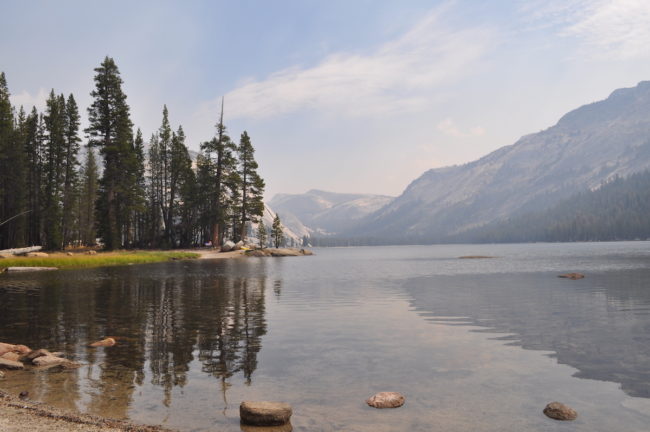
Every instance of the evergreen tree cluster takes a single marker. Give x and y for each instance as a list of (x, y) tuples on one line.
[(618, 210), (144, 195)]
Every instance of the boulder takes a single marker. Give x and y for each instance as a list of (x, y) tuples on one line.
[(265, 413), (69, 253), (559, 411), (36, 254), (2, 374), (19, 349), (227, 246), (91, 252), (10, 364), (238, 245), (37, 353), (11, 356), (22, 349), (49, 360), (386, 400), (572, 276), (103, 343), (5, 348)]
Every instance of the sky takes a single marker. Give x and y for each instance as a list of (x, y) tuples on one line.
[(342, 95)]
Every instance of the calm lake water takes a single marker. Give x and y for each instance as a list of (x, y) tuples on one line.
[(475, 345)]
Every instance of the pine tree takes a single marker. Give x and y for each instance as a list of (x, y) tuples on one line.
[(88, 197), (276, 231), (252, 185), (219, 166), (261, 234), (11, 172), (181, 175), (138, 172), (110, 129), (54, 170), (70, 174), (34, 152)]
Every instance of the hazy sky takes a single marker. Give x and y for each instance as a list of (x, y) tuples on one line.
[(341, 95)]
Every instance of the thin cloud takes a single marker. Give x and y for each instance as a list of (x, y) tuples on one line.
[(611, 29), (399, 76), (449, 127), (28, 100)]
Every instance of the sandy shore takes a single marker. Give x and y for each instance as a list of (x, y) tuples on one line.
[(22, 415), (215, 254)]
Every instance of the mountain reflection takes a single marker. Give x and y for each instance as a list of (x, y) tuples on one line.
[(598, 325), (164, 317)]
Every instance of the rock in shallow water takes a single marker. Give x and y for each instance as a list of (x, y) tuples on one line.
[(572, 276), (10, 364), (264, 413), (282, 428), (386, 400), (559, 411), (108, 342)]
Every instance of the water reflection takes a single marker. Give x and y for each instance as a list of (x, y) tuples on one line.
[(163, 317), (598, 325)]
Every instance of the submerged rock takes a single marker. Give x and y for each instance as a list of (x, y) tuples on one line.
[(386, 400), (287, 427), (559, 411), (572, 276), (103, 343), (265, 413), (49, 360)]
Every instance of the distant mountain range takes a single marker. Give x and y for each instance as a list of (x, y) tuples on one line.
[(321, 213), (587, 148)]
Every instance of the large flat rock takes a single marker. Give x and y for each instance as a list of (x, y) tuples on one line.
[(264, 413), (10, 364)]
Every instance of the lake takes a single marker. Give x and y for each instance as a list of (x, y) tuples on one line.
[(473, 344)]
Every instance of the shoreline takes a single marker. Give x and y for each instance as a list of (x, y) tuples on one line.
[(18, 415)]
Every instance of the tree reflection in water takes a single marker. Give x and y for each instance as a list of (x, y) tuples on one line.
[(163, 317)]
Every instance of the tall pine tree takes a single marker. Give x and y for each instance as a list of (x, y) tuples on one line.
[(252, 185), (110, 129)]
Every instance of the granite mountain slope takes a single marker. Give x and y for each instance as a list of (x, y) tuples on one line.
[(588, 146)]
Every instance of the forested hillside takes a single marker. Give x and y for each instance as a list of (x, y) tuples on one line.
[(618, 210)]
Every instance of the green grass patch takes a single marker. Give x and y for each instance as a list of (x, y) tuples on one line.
[(102, 259)]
